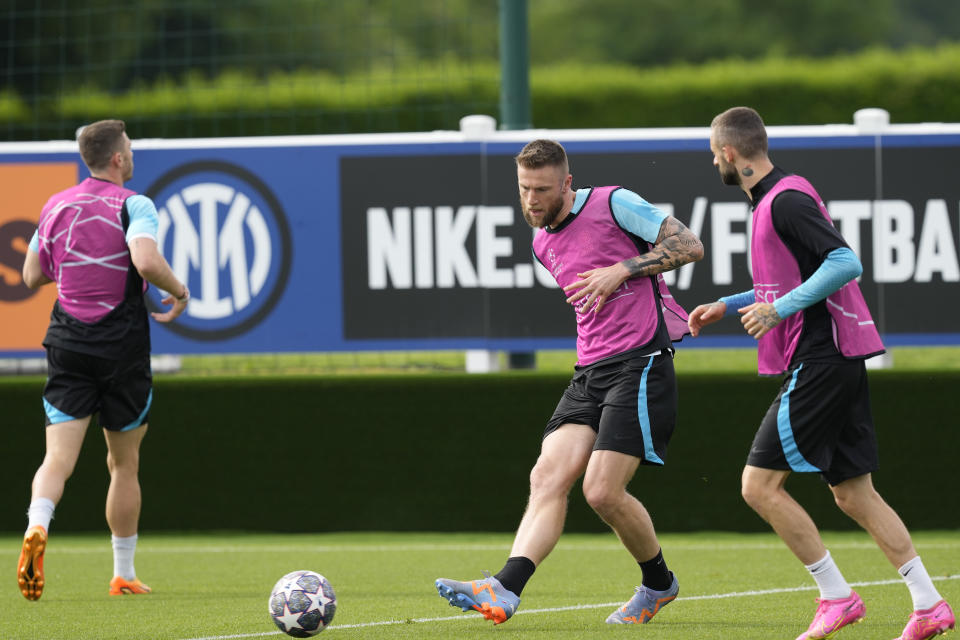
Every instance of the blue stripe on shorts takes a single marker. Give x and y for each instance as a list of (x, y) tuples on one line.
[(643, 416), (794, 458), (136, 423), (55, 415)]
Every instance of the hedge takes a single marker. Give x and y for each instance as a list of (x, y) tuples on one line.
[(915, 85), (450, 452)]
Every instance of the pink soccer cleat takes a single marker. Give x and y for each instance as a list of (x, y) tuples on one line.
[(833, 615), (927, 623)]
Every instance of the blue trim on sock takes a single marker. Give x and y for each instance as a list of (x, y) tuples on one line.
[(644, 417), (794, 458)]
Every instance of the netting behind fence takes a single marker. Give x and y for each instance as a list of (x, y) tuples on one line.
[(175, 68)]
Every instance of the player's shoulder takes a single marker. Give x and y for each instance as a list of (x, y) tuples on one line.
[(623, 193), (57, 198), (791, 203), (627, 202), (140, 205), (626, 196)]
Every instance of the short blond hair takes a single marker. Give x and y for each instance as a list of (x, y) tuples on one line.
[(543, 153)]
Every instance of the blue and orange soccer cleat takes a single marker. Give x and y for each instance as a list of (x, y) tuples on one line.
[(833, 615), (487, 596), (30, 564), (644, 604), (120, 587)]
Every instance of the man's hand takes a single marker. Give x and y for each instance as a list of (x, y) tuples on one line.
[(705, 314), (179, 304), (596, 285), (758, 318)]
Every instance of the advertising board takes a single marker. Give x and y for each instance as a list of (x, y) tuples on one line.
[(417, 241)]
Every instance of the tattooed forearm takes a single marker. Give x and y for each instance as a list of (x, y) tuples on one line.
[(676, 246), (767, 316)]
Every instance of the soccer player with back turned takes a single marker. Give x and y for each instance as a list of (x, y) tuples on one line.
[(812, 324), (606, 247), (98, 242)]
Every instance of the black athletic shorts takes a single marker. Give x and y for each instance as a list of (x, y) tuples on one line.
[(79, 385), (820, 422), (630, 403)]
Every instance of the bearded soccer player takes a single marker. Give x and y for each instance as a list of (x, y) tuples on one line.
[(606, 247), (812, 326)]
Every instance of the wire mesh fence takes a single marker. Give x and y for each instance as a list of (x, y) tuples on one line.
[(191, 68)]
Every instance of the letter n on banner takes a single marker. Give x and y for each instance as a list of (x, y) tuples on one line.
[(25, 313)]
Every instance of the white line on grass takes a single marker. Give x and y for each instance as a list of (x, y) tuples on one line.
[(715, 596), (147, 547)]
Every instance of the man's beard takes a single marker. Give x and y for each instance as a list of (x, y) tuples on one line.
[(545, 220), (730, 176)]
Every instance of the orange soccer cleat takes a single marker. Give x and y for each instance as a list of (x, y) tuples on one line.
[(122, 587), (490, 598), (644, 604), (30, 564)]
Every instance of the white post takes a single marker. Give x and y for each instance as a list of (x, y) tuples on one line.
[(480, 127), (873, 121), (482, 361), (477, 126)]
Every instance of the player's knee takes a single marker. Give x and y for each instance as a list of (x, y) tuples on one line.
[(129, 464), (855, 504), (56, 467), (844, 502), (755, 495), (548, 480), (602, 498)]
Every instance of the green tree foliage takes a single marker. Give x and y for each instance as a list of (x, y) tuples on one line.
[(658, 31), (114, 44), (915, 85), (245, 67)]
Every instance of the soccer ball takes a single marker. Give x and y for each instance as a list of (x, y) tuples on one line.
[(302, 604)]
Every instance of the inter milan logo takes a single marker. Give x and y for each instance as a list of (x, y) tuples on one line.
[(225, 235)]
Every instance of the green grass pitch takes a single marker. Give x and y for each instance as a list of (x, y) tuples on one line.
[(216, 586)]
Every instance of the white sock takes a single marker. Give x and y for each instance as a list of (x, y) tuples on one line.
[(829, 579), (123, 551), (924, 594), (40, 513)]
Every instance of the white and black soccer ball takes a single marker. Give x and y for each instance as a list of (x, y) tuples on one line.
[(302, 604)]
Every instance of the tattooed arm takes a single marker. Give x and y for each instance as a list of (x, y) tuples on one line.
[(758, 318), (675, 246)]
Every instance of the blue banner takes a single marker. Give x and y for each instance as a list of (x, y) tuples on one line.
[(416, 241)]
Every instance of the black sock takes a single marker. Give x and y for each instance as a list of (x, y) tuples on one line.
[(656, 576), (515, 573)]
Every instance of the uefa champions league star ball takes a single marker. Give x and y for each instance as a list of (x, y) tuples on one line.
[(302, 604)]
